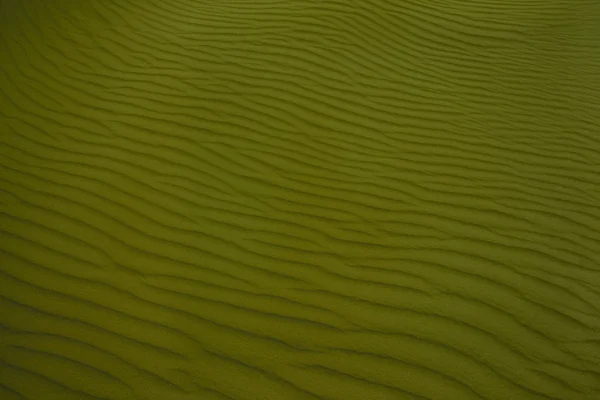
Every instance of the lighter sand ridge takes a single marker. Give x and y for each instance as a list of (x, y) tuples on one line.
[(300, 200)]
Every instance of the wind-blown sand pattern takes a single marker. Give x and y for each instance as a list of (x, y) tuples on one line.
[(240, 200)]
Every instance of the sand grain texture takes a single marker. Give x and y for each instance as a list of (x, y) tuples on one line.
[(277, 200)]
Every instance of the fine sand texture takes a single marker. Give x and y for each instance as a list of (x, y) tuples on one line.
[(300, 199)]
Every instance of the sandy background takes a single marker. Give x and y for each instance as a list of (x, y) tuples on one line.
[(273, 200)]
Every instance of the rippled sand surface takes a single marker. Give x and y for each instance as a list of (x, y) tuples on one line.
[(296, 200)]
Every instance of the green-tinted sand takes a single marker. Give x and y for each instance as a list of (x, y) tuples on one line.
[(296, 200)]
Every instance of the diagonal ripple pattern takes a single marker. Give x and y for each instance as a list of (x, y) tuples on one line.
[(300, 200)]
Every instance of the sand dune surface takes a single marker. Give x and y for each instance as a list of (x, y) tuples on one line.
[(300, 200)]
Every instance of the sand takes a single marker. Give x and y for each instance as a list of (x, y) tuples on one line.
[(281, 200)]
